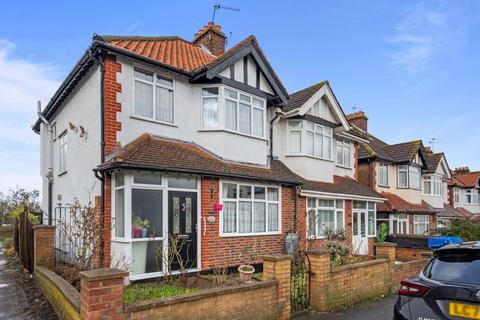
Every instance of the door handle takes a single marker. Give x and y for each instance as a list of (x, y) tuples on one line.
[(183, 236)]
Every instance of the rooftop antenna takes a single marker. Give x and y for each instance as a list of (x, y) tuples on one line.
[(432, 142), (218, 6), (355, 109)]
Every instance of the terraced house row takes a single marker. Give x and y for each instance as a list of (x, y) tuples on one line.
[(188, 141)]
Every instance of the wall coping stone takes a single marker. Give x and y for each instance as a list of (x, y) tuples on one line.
[(359, 265), (385, 244), (72, 295), (103, 274), (318, 252), (402, 263), (277, 257), (153, 303), (42, 226)]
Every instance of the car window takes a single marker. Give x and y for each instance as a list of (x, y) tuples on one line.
[(455, 267)]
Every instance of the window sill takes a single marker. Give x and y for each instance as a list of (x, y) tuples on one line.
[(232, 132), (237, 235), (343, 167), (382, 186), (308, 156), (153, 121), (62, 173)]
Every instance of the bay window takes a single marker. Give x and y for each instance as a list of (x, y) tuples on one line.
[(310, 139), (471, 196), (343, 153), (409, 177), (250, 209), (153, 96), (383, 174), (432, 185), (420, 224), (324, 215)]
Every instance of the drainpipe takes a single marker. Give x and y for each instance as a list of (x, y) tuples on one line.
[(49, 154), (99, 176)]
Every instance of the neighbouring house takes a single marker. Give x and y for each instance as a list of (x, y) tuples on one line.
[(187, 142), (465, 191), (404, 175)]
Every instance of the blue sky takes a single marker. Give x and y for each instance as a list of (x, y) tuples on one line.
[(412, 66)]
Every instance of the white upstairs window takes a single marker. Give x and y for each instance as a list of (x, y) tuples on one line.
[(383, 174), (307, 138), (62, 152), (153, 96), (210, 107), (344, 150), (457, 195)]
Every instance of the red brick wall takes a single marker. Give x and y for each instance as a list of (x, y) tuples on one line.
[(409, 254), (230, 251), (111, 126), (406, 270)]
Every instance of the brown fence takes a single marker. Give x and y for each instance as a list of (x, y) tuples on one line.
[(24, 237)]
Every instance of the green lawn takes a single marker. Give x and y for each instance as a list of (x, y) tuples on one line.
[(152, 290)]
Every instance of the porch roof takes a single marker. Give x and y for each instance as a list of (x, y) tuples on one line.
[(341, 185), (449, 212), (395, 204), (149, 152)]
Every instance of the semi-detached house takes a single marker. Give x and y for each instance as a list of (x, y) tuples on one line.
[(177, 138)]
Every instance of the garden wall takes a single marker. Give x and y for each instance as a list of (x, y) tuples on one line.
[(410, 254), (403, 270)]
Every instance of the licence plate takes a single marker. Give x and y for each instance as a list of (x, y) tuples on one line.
[(467, 311)]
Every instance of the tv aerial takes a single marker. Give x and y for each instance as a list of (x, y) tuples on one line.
[(217, 7)]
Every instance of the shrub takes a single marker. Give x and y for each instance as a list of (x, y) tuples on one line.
[(466, 229)]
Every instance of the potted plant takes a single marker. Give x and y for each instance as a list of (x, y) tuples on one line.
[(246, 271)]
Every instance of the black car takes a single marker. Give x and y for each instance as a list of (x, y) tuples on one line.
[(447, 288)]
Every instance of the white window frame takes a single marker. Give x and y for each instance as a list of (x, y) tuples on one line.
[(474, 196), (409, 171), (383, 174), (320, 132), (425, 222), (456, 193), (252, 200), (252, 106), (154, 84), (202, 97), (62, 152), (346, 150), (336, 209), (402, 168), (396, 217), (436, 185)]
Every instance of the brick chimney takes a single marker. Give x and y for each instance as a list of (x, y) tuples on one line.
[(428, 150), (212, 37), (461, 170), (359, 119)]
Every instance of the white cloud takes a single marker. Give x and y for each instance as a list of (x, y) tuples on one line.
[(22, 83), (429, 29)]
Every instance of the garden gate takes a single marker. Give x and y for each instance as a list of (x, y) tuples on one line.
[(300, 282)]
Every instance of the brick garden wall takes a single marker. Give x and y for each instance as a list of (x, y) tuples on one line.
[(404, 270), (410, 254)]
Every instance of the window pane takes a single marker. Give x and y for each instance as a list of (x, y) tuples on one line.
[(327, 147), (229, 190), (230, 115), (295, 138), (144, 75), (259, 192), (119, 213), (355, 224), (145, 177), (244, 217), (258, 103), (326, 203), (359, 205), (272, 217), (210, 112), (402, 179), (164, 105), (245, 114), (147, 213), (427, 187), (309, 143), (245, 192), (259, 221), (454, 267), (346, 156), (258, 122), (340, 219), (339, 154), (230, 94), (229, 217), (295, 124), (371, 223), (326, 220), (312, 202), (272, 194), (164, 81), (143, 99), (182, 182), (147, 257), (309, 126), (327, 131), (209, 92), (245, 98), (318, 145), (119, 179)]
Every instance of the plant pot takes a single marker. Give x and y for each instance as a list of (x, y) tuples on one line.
[(137, 233), (144, 232), (246, 272)]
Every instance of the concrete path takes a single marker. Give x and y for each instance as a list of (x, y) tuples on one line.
[(379, 310), (11, 295)]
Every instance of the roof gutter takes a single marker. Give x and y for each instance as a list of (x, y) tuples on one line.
[(116, 166), (313, 193)]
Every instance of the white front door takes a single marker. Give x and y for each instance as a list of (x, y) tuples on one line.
[(359, 230)]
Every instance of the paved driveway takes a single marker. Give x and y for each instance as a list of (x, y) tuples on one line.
[(379, 310)]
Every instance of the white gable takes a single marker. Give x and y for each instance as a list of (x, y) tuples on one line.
[(418, 159), (443, 168), (322, 109)]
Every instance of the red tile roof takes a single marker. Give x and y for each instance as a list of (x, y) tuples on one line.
[(467, 180), (465, 212), (155, 153), (395, 203), (173, 51), (341, 185)]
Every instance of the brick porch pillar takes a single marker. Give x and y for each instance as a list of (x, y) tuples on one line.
[(44, 246), (101, 294), (320, 275), (386, 250), (279, 267)]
